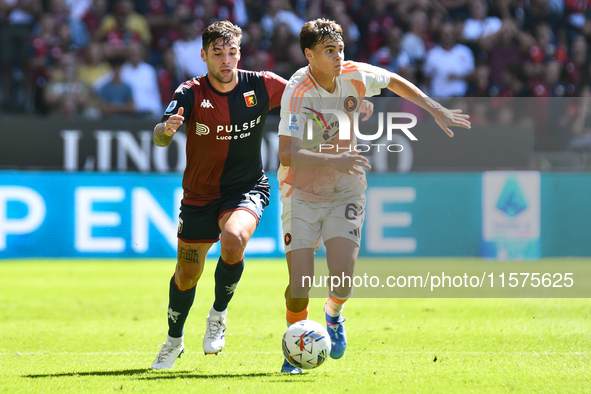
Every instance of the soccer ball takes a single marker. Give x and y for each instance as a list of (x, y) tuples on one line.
[(306, 344)]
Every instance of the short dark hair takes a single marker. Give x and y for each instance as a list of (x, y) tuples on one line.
[(222, 30), (319, 31), (116, 61)]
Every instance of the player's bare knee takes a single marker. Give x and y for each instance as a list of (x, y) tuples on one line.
[(232, 247)]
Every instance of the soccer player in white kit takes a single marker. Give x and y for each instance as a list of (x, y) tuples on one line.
[(322, 182)]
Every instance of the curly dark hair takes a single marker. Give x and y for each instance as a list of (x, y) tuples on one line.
[(223, 30)]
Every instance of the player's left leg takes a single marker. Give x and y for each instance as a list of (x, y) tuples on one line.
[(341, 256), (237, 227), (341, 232), (300, 264), (238, 219)]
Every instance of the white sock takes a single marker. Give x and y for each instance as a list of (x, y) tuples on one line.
[(332, 308), (213, 312), (175, 341)]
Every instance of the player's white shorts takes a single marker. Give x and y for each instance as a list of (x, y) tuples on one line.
[(304, 223)]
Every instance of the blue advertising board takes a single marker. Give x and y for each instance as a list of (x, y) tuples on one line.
[(53, 214), (59, 214)]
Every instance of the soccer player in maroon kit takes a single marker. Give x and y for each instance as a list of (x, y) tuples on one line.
[(224, 187)]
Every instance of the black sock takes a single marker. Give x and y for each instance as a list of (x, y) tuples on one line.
[(226, 280), (179, 304)]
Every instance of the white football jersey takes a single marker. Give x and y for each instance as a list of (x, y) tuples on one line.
[(301, 107)]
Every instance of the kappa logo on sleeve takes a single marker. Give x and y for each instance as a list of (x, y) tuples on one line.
[(170, 107)]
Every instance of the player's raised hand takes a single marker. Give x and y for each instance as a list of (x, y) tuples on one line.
[(367, 109), (350, 163), (174, 122), (451, 117)]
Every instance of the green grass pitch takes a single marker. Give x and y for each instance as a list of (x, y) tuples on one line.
[(94, 326)]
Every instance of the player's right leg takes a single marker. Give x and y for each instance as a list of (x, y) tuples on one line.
[(301, 231), (300, 264), (190, 263), (341, 232), (197, 231)]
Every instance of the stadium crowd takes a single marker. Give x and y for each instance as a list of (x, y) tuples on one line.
[(125, 58)]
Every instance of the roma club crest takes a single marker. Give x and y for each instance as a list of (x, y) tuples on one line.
[(250, 98)]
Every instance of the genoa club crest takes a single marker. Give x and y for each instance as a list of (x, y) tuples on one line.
[(250, 98)]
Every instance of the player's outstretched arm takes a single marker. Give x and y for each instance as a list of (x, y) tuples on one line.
[(164, 131), (291, 154), (443, 117)]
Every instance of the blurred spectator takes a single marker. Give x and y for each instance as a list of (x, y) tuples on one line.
[(260, 61), (415, 42), (143, 81), (123, 27), (93, 16), (92, 69), (116, 97), (41, 61), (479, 108), (448, 64), (253, 40), (279, 57), (94, 65), (209, 11), (457, 9), (78, 8), (575, 11), (374, 26), (507, 46), (351, 33), (296, 57), (187, 50), (514, 82), (537, 11), (64, 41), (479, 84), (550, 85), (164, 18), (169, 77), (16, 20), (391, 56), (479, 24), (544, 48), (278, 12), (78, 33), (65, 94), (577, 68)]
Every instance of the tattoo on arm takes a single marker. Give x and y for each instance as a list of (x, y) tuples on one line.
[(189, 255)]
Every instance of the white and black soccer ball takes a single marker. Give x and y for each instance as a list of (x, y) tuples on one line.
[(306, 344)]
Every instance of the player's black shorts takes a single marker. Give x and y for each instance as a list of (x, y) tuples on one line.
[(200, 224)]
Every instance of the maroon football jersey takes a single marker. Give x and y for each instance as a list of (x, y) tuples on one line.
[(224, 133)]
